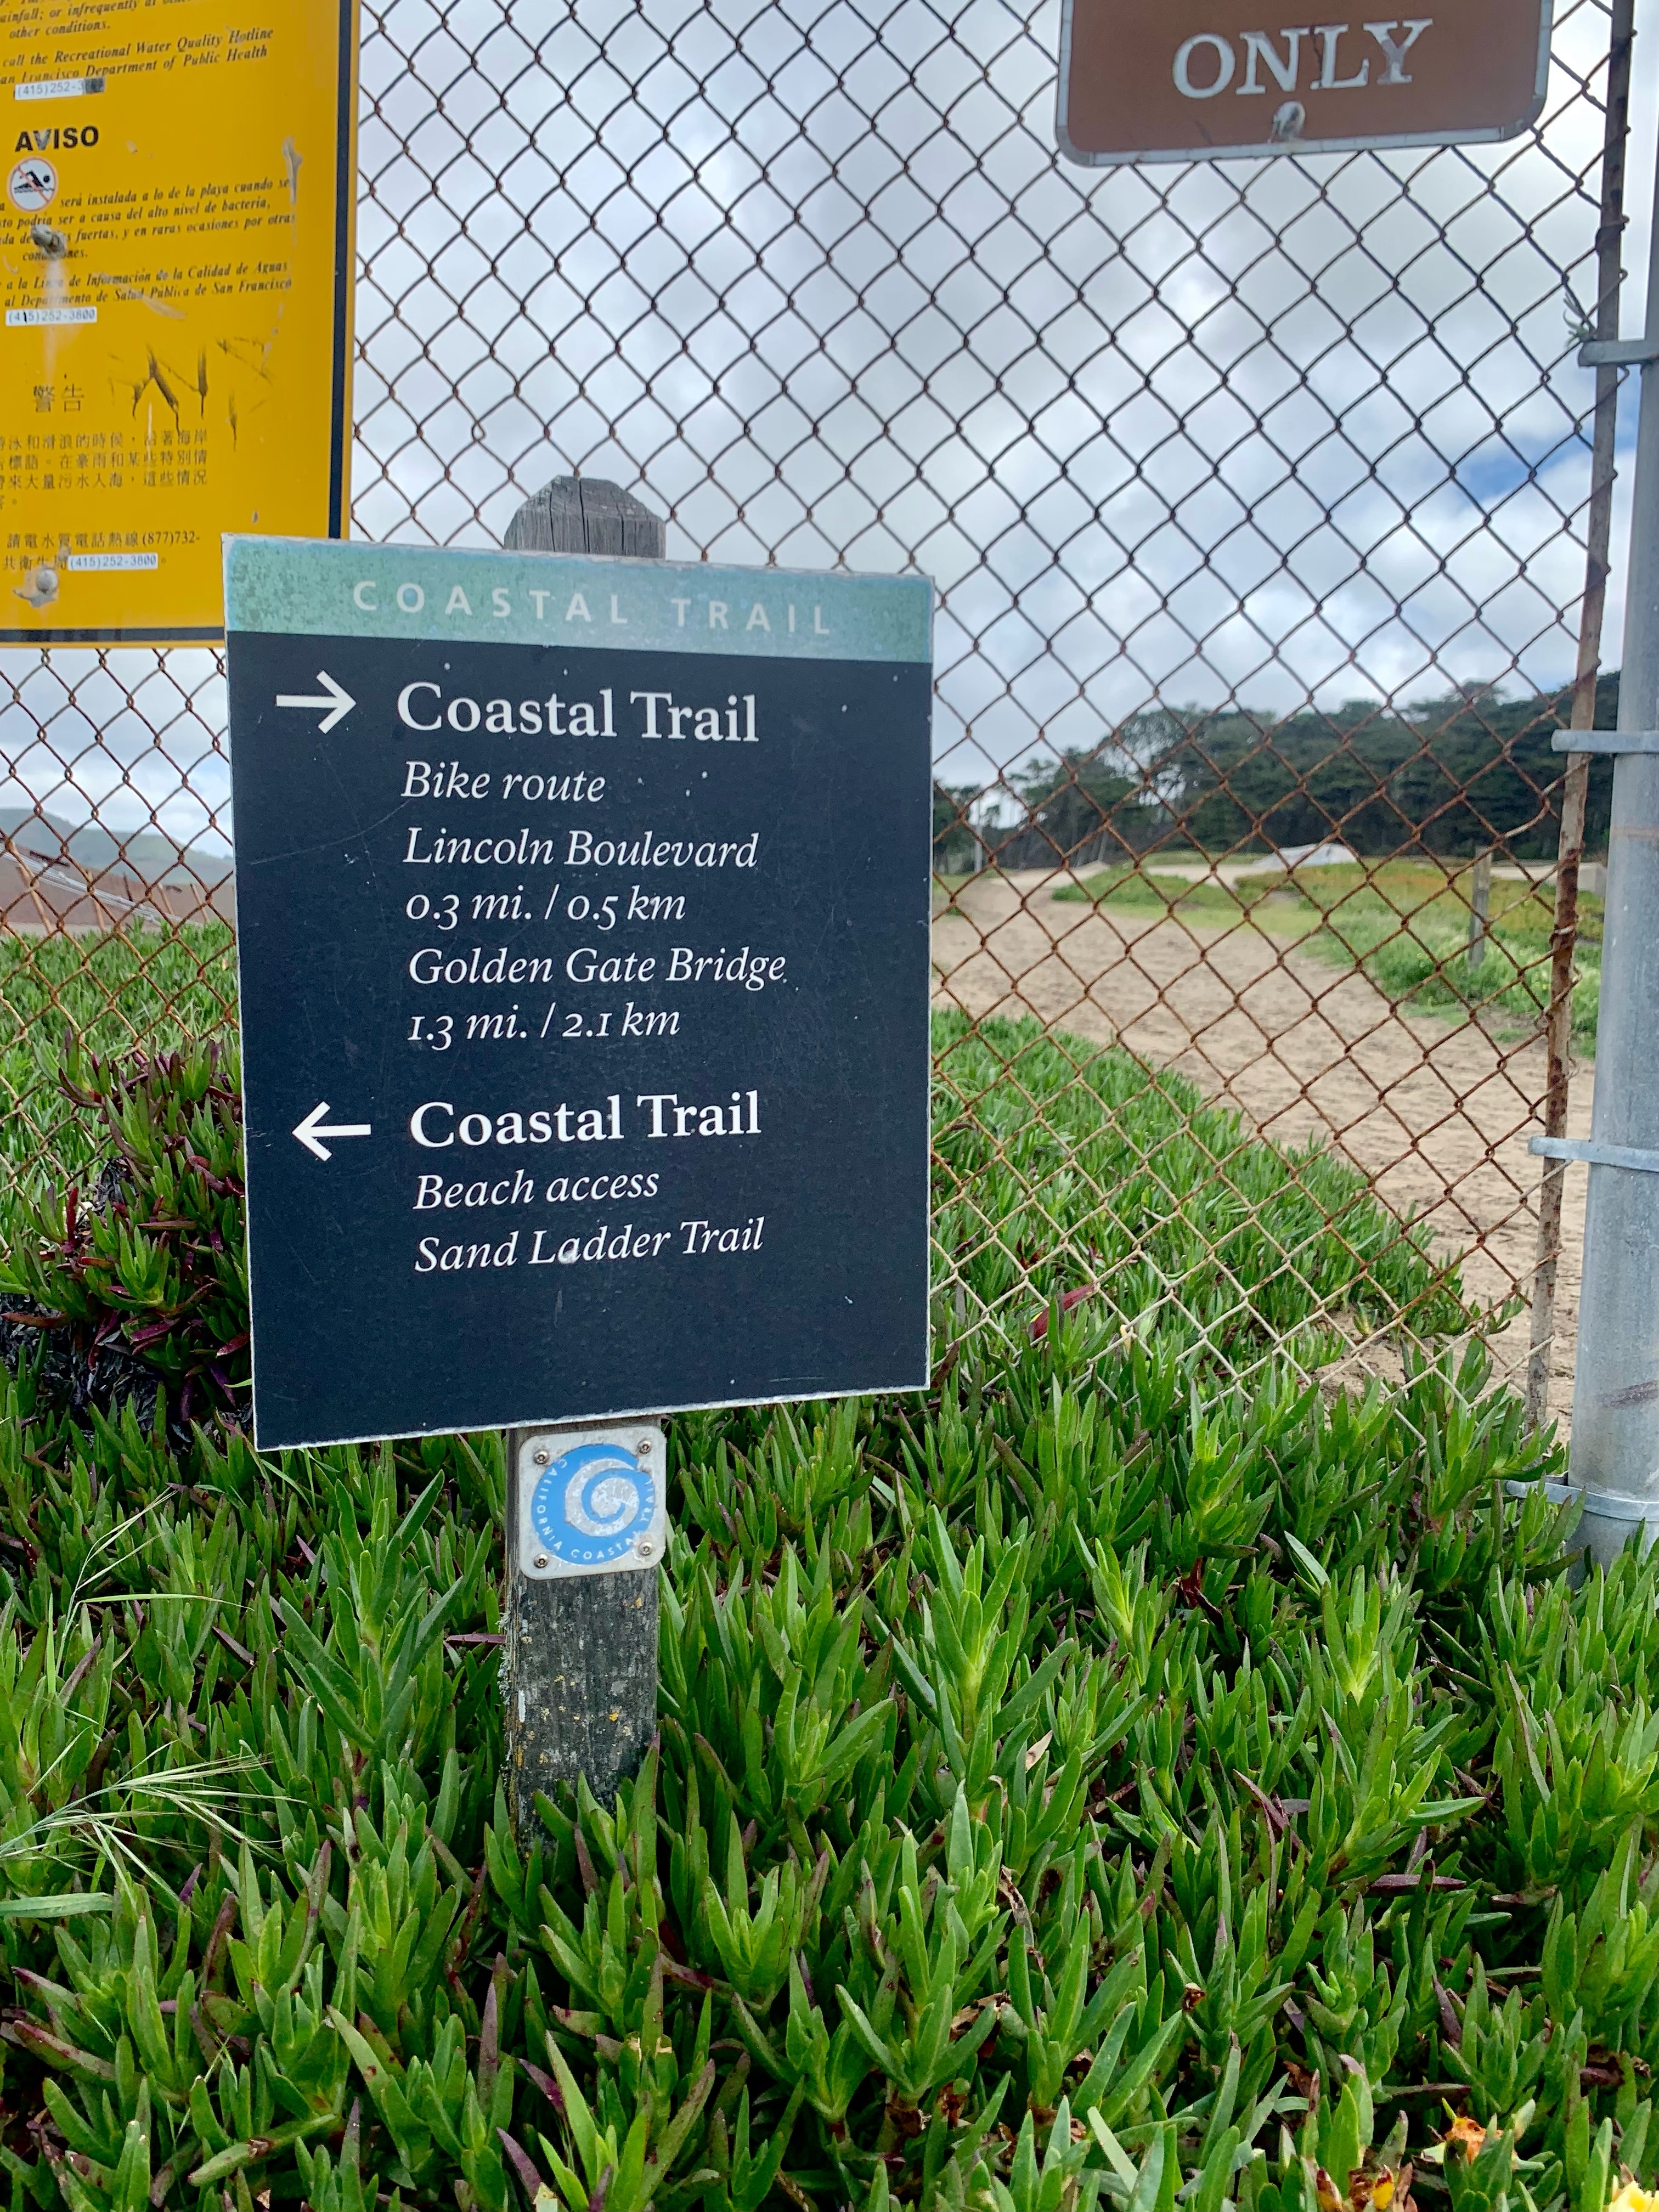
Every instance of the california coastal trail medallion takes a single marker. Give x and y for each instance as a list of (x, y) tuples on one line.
[(590, 1503)]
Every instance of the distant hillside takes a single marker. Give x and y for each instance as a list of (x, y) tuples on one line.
[(149, 854), (1445, 776)]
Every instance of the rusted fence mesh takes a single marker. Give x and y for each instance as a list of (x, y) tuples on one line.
[(1256, 496)]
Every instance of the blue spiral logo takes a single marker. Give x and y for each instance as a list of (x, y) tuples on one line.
[(591, 1503)]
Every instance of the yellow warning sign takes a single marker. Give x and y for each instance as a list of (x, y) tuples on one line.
[(175, 275)]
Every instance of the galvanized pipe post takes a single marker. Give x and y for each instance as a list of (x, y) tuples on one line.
[(1615, 1414), (1574, 784)]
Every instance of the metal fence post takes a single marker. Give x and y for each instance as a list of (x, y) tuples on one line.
[(1574, 784), (1615, 1414)]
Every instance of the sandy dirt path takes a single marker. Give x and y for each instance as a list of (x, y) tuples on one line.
[(1436, 1113)]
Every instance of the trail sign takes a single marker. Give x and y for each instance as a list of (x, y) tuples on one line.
[(179, 185), (584, 950), (1144, 81)]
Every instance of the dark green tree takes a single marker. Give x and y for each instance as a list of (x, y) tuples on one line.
[(1080, 807), (1447, 776)]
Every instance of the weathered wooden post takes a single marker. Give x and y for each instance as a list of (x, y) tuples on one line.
[(581, 1640), (582, 1634), (1479, 908), (586, 515)]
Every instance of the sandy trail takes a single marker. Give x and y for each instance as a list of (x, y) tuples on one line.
[(1436, 1112)]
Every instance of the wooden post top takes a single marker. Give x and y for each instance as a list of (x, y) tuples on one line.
[(587, 514)]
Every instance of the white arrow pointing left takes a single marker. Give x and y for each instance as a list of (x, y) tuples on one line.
[(338, 702), (313, 1128)]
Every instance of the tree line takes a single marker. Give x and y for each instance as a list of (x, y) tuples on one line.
[(1446, 777)]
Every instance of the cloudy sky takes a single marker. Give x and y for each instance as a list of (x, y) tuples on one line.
[(810, 279)]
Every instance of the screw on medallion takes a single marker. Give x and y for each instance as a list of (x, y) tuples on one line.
[(541, 1456), (541, 1559)]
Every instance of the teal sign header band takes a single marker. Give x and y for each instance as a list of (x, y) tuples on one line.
[(292, 587)]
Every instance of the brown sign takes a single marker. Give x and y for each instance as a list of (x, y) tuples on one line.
[(1178, 80)]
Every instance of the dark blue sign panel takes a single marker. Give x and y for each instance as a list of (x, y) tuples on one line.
[(583, 912)]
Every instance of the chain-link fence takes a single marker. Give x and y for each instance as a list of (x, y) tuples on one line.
[(1257, 496)]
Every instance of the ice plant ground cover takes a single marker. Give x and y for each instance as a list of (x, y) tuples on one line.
[(1093, 1781), (165, 986)]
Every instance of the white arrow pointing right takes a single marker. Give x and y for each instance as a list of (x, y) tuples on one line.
[(339, 701), (314, 1128)]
